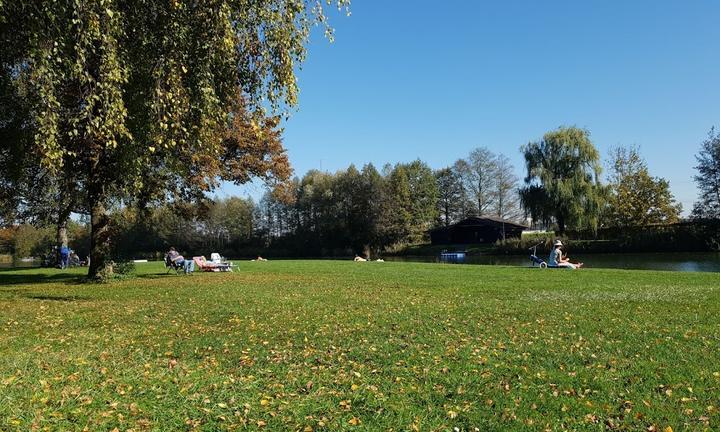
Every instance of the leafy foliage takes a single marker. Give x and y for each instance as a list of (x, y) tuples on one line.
[(635, 197), (126, 97), (708, 178), (486, 185), (563, 171), (353, 211), (450, 196), (505, 187), (477, 173)]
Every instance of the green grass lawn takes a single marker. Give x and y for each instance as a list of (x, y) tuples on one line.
[(336, 345)]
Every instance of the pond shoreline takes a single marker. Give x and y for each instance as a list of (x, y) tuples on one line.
[(669, 261)]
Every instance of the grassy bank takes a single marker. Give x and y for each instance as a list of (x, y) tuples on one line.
[(335, 345)]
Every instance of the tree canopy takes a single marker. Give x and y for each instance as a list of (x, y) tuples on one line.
[(708, 178), (563, 170), (450, 196), (130, 97), (635, 197)]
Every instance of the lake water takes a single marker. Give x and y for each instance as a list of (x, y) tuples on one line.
[(20, 263), (692, 262)]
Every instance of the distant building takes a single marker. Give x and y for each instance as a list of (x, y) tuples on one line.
[(486, 229)]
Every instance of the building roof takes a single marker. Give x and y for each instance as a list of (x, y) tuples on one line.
[(482, 221)]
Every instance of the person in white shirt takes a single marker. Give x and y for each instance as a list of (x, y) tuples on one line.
[(558, 260)]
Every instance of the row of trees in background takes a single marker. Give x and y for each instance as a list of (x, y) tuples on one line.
[(368, 210), (563, 185), (483, 184), (358, 210)]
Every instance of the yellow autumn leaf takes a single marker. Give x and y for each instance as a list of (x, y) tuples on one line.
[(354, 421)]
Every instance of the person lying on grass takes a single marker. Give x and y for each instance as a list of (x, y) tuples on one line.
[(558, 260)]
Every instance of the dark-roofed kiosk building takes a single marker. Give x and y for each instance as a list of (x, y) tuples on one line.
[(486, 229)]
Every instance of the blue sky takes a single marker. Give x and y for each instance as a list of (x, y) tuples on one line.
[(435, 79)]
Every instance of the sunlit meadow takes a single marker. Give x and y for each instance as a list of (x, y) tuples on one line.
[(335, 345)]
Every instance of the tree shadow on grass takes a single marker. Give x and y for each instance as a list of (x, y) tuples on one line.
[(160, 275), (30, 277), (68, 298)]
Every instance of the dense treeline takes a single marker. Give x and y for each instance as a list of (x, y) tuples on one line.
[(352, 211), (367, 211)]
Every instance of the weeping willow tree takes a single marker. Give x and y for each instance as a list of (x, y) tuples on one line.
[(133, 99), (562, 181)]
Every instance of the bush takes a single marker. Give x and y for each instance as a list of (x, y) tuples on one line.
[(518, 246), (695, 236), (538, 236)]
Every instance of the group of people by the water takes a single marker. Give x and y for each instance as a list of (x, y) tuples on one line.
[(68, 257)]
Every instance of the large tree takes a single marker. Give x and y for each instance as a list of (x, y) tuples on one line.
[(29, 192), (228, 223), (708, 178), (505, 187), (362, 192), (563, 170), (635, 197), (478, 175), (536, 205), (423, 199), (450, 196), (397, 217), (130, 96)]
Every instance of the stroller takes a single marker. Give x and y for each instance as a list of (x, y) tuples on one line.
[(535, 260)]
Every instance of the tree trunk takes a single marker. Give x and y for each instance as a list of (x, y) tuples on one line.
[(561, 223), (61, 237), (99, 238)]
